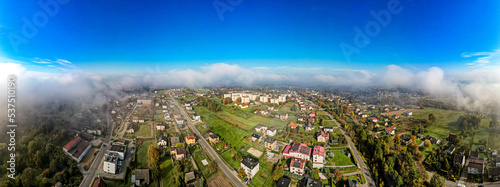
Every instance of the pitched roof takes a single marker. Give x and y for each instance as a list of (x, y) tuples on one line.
[(494, 171), (390, 129), (322, 133), (72, 143), (190, 137), (452, 136), (292, 124), (478, 166), (283, 182), (319, 150), (270, 140), (180, 150), (99, 183)]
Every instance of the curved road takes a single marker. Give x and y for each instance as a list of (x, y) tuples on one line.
[(361, 162), (226, 170)]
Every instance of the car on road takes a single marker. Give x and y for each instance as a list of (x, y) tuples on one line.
[(103, 145)]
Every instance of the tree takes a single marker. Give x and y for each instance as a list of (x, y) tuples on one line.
[(154, 155), (315, 174), (427, 143), (242, 173), (278, 173), (432, 118), (338, 175), (437, 181), (328, 173), (397, 142), (28, 177)]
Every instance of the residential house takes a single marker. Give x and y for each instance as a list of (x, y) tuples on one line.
[(135, 119), (174, 141), (256, 137), (312, 114), (321, 136), (97, 183), (476, 168), (190, 139), (189, 177), (328, 129), (432, 139), (196, 117), (261, 129), (390, 130), (269, 143), (283, 116), (374, 119), (474, 155), (408, 113), (180, 153), (162, 141), (271, 131), (160, 127), (318, 156), (250, 165), (300, 119), (308, 127), (494, 173), (405, 139), (497, 161), (142, 177), (283, 182), (452, 137), (395, 116), (313, 183), (450, 149), (213, 138), (297, 150), (141, 120), (297, 166), (459, 160), (179, 121), (292, 125), (264, 112)]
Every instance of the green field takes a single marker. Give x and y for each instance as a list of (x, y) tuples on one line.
[(233, 136), (199, 155), (268, 121), (167, 173), (242, 120), (340, 159), (142, 155), (143, 131), (445, 121)]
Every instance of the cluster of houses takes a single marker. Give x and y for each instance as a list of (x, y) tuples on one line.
[(477, 166), (300, 154)]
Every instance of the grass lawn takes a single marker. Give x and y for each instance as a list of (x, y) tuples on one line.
[(144, 131), (200, 155), (167, 173), (268, 121), (329, 123), (445, 121), (340, 159), (142, 155), (241, 122), (233, 136)]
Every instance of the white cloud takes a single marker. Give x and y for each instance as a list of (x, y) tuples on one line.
[(483, 58)]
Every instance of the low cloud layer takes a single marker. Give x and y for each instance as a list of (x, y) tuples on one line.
[(475, 90)]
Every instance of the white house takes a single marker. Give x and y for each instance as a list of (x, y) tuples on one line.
[(297, 150), (271, 131), (162, 141), (196, 117), (390, 130), (475, 168), (261, 129), (297, 166), (250, 165)]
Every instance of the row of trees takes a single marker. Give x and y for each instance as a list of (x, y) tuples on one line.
[(209, 103)]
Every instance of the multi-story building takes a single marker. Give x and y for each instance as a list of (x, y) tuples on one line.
[(110, 163), (318, 156), (297, 166), (250, 165), (297, 150)]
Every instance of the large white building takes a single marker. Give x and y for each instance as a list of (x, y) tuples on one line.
[(297, 150), (110, 163), (77, 148), (250, 165), (264, 99), (119, 149), (282, 98), (274, 100), (245, 99), (297, 166)]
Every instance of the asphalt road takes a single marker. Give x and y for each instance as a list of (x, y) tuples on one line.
[(91, 173), (361, 162), (226, 170)]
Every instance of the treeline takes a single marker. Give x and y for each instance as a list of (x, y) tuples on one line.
[(387, 167), (40, 159), (434, 104), (209, 103), (469, 121)]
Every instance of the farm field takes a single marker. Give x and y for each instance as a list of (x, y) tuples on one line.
[(244, 123), (268, 121), (144, 131), (340, 159)]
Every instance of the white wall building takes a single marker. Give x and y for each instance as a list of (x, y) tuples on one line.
[(110, 163), (250, 165)]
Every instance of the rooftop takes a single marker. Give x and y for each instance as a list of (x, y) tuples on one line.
[(283, 182), (249, 162), (72, 143), (319, 150), (313, 183), (297, 163), (270, 140), (118, 148)]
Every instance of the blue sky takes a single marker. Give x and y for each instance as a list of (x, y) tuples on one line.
[(119, 36)]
